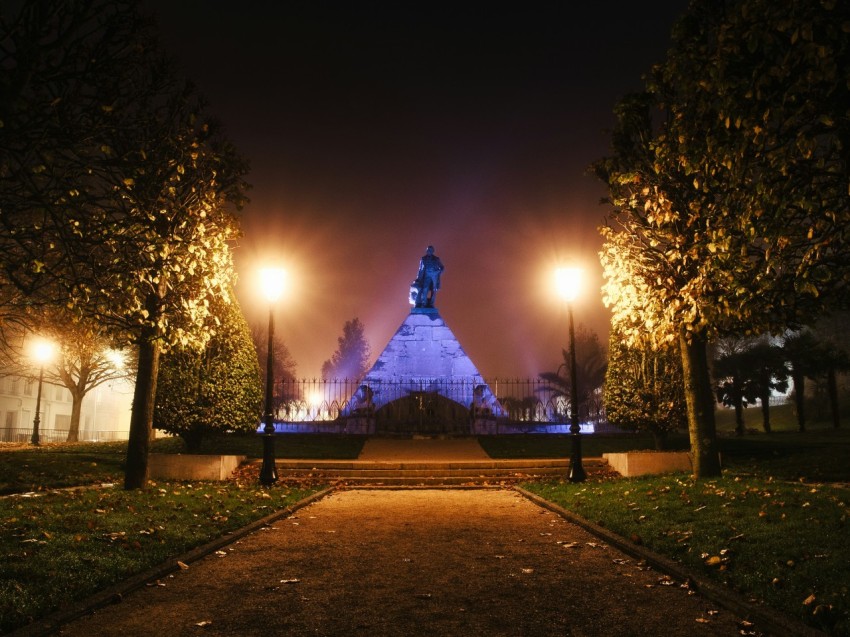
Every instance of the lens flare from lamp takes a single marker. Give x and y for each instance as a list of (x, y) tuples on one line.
[(115, 358), (568, 283)]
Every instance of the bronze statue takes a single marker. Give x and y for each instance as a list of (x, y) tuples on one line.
[(427, 282)]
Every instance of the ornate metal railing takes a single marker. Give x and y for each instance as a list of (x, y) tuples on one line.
[(528, 400), (46, 435)]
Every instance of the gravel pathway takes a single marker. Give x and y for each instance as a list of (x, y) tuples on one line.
[(414, 562)]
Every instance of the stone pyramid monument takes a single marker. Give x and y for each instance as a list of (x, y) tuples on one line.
[(425, 362)]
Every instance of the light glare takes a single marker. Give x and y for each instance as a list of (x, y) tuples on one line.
[(568, 283), (42, 350), (271, 282)]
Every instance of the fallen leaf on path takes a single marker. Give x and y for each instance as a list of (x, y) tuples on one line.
[(183, 566), (571, 545), (203, 623), (528, 570), (702, 620), (294, 580)]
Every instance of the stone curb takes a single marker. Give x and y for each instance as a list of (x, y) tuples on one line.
[(114, 594), (766, 618)]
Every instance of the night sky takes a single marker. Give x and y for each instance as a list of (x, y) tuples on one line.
[(375, 130)]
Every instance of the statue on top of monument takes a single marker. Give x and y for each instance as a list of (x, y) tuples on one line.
[(423, 291)]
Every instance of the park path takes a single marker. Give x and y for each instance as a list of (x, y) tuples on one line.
[(414, 562)]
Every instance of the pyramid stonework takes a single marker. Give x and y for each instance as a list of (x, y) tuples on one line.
[(424, 355)]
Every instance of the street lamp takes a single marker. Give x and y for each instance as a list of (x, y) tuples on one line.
[(568, 283), (271, 281), (41, 352)]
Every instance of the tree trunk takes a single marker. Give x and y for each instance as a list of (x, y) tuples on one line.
[(76, 409), (141, 418), (700, 404), (738, 399), (765, 411), (832, 388), (800, 398)]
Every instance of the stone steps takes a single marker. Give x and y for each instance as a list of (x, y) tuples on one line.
[(413, 473)]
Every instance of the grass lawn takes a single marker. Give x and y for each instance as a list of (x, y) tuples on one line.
[(61, 546), (774, 527), (307, 446), (51, 466), (781, 542)]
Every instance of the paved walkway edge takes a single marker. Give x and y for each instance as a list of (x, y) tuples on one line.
[(114, 594), (764, 617)]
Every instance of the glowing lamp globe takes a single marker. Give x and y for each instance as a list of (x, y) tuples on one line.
[(568, 283), (42, 351), (271, 283)]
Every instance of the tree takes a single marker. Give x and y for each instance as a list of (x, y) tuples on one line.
[(85, 359), (644, 388), (284, 365), (730, 381), (591, 362), (351, 359), (803, 353), (217, 389), (764, 372), (832, 334), (810, 357), (728, 177), (115, 188)]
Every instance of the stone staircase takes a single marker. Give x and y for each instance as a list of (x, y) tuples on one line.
[(431, 472)]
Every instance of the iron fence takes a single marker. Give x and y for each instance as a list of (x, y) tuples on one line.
[(521, 400), (24, 434)]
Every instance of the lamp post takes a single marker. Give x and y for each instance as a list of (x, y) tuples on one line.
[(271, 280), (568, 281), (42, 352)]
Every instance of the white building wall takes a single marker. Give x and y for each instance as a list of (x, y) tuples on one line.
[(105, 411)]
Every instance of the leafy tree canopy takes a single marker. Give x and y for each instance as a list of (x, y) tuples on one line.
[(729, 179), (644, 389), (215, 390), (115, 185)]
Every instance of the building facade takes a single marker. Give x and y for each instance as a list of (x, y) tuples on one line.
[(105, 411)]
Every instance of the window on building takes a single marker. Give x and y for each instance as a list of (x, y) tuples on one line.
[(28, 387), (11, 419), (60, 393), (62, 422)]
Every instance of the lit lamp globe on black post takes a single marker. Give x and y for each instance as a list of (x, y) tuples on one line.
[(568, 284), (271, 282), (42, 352)]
